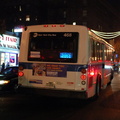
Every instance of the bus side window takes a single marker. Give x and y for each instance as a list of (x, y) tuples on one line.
[(99, 53), (98, 50), (102, 52), (109, 54), (105, 53), (93, 49)]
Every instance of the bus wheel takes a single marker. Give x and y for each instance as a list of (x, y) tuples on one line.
[(97, 89), (111, 77)]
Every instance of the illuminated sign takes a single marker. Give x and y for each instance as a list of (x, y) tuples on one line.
[(18, 29), (7, 41), (9, 46), (66, 55)]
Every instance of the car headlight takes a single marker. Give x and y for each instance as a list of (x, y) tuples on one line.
[(2, 82)]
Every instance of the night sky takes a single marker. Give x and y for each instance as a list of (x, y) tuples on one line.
[(5, 3), (115, 4)]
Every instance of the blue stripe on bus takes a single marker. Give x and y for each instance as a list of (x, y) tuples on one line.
[(69, 67)]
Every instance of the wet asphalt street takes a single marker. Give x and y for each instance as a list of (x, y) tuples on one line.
[(29, 107)]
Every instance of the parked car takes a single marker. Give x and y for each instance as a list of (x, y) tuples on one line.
[(9, 78)]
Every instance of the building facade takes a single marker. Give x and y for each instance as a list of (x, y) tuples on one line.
[(96, 14), (9, 50)]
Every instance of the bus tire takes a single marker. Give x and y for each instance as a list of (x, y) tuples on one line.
[(111, 77), (97, 91), (98, 88)]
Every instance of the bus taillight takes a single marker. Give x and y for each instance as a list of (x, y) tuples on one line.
[(83, 71), (21, 67), (20, 74), (83, 77)]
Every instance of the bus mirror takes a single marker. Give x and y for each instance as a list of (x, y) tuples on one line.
[(25, 28)]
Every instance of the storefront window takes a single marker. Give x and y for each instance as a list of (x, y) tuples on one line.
[(2, 58)]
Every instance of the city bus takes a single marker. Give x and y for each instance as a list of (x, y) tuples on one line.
[(64, 61)]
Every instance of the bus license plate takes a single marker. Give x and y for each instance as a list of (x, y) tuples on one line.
[(50, 84)]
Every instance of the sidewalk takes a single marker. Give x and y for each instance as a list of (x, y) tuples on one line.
[(115, 84), (113, 101)]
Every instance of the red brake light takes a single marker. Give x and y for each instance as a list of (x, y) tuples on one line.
[(83, 77), (20, 74)]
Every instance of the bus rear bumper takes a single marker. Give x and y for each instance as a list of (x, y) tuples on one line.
[(53, 92)]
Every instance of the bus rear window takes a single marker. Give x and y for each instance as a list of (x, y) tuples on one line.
[(53, 46)]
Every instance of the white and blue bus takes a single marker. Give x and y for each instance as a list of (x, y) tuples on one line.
[(64, 61)]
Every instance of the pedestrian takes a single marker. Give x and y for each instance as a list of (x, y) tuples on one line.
[(7, 65), (3, 67)]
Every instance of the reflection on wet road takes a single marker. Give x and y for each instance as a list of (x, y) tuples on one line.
[(116, 82), (30, 107)]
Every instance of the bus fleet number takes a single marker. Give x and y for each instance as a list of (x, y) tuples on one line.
[(68, 35)]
